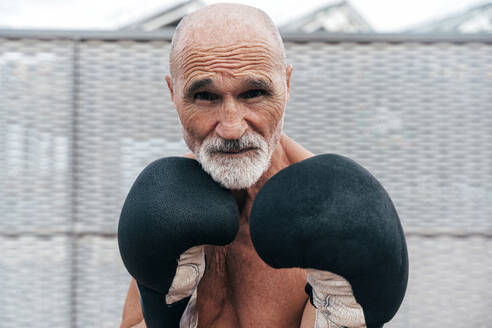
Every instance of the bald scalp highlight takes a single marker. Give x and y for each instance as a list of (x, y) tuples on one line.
[(215, 14)]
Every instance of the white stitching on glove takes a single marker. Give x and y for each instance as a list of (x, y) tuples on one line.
[(335, 303)]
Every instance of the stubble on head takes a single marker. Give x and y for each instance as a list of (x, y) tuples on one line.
[(218, 24)]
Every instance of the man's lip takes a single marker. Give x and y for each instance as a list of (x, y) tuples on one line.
[(238, 152)]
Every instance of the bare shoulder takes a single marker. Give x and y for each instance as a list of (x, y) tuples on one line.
[(294, 151), (189, 155)]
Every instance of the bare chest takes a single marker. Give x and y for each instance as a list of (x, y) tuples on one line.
[(240, 290)]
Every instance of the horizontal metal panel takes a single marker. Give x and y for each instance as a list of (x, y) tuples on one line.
[(166, 35), (102, 282), (449, 283), (36, 122), (35, 280)]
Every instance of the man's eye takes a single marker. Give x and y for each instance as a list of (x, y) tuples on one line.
[(207, 96), (253, 93)]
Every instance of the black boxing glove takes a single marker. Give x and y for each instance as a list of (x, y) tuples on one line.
[(171, 211), (330, 215)]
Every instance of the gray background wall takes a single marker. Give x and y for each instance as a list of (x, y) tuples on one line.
[(80, 116)]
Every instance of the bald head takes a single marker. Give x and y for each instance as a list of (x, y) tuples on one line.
[(224, 24)]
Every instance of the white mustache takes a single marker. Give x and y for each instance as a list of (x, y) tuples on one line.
[(247, 141)]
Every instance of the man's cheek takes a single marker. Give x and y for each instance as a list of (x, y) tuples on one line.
[(197, 120), (271, 111)]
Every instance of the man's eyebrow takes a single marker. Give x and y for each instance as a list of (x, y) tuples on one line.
[(196, 85), (258, 84)]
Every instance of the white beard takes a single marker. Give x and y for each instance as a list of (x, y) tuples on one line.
[(237, 171)]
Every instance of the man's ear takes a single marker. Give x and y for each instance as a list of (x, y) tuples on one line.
[(288, 73), (170, 85)]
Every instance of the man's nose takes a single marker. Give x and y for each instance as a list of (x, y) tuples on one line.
[(232, 124)]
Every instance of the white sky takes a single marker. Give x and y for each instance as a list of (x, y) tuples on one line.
[(383, 15)]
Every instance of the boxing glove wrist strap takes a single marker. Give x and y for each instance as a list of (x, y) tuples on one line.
[(333, 299)]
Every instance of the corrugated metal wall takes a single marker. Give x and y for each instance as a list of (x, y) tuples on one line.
[(79, 119)]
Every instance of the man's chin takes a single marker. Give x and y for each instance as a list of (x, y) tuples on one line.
[(235, 171), (234, 184)]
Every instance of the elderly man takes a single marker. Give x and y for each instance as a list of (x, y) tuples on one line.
[(230, 85)]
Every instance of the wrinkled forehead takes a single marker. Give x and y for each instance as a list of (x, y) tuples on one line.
[(238, 59)]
